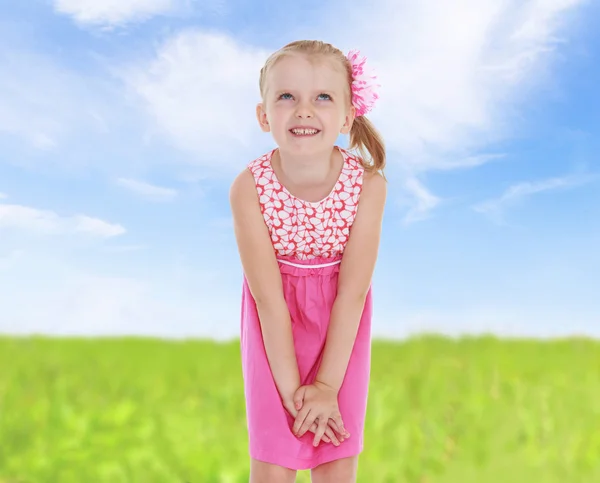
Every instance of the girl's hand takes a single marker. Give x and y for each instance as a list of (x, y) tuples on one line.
[(328, 437), (319, 405)]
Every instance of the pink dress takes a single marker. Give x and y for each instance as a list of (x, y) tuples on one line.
[(309, 240)]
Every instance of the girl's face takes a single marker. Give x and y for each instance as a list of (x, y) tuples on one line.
[(305, 95)]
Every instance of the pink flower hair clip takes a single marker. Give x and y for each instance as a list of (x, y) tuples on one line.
[(364, 87)]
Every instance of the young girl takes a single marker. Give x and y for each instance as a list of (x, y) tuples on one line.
[(307, 219)]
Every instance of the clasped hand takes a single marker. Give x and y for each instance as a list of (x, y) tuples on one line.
[(318, 412)]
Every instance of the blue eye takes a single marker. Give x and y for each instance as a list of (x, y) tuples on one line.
[(285, 94)]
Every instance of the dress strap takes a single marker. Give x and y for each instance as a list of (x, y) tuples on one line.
[(299, 265)]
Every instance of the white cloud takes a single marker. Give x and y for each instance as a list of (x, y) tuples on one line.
[(202, 89), (451, 71), (467, 162), (94, 226), (49, 222), (147, 190), (422, 203), (114, 12), (494, 208), (453, 75), (3, 196)]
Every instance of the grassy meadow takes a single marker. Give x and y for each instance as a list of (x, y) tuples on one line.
[(440, 411)]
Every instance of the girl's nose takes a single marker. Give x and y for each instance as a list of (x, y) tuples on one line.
[(304, 111)]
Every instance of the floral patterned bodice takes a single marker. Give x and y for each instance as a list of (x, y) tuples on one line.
[(303, 229)]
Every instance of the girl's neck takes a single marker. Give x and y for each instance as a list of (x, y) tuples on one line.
[(307, 171)]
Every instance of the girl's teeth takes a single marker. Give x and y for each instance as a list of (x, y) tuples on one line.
[(304, 131)]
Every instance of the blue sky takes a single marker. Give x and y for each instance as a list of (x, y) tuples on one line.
[(123, 123)]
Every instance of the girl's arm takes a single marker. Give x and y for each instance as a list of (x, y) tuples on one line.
[(356, 271), (264, 280)]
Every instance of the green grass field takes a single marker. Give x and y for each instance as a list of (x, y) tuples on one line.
[(440, 411)]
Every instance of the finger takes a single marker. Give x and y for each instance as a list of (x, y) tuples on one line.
[(330, 437), (325, 438), (307, 423), (320, 431), (299, 397), (337, 419), (303, 422), (331, 424), (300, 418)]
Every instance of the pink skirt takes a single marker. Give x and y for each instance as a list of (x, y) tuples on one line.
[(309, 292)]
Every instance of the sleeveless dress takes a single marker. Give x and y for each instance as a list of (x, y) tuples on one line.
[(308, 239)]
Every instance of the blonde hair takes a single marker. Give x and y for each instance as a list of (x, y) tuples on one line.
[(363, 134)]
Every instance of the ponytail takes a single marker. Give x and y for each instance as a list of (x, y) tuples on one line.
[(367, 139)]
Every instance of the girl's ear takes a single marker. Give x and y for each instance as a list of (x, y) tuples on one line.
[(261, 116), (350, 116)]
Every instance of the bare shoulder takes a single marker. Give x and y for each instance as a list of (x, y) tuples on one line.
[(374, 178), (242, 190), (374, 190)]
